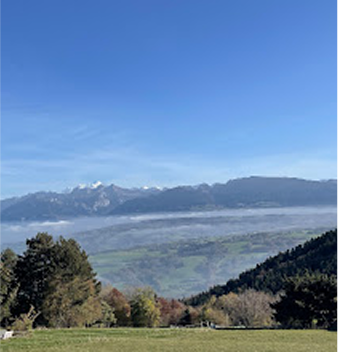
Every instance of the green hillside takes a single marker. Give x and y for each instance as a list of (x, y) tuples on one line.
[(180, 269), (316, 255)]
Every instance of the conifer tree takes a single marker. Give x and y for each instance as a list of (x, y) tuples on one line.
[(34, 271), (8, 285), (308, 301), (57, 279)]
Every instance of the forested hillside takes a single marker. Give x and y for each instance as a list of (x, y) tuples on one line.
[(318, 255)]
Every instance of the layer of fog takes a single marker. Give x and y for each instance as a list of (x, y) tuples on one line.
[(122, 232)]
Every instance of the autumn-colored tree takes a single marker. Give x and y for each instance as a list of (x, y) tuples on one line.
[(144, 308), (190, 316), (249, 308), (171, 311), (118, 302), (211, 313), (108, 318)]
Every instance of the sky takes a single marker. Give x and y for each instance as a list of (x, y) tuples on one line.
[(166, 92)]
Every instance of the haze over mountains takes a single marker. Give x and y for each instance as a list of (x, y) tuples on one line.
[(100, 200)]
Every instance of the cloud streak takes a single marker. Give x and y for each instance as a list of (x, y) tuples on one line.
[(130, 167), (54, 155)]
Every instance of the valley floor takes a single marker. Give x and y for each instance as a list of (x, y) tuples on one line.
[(173, 340)]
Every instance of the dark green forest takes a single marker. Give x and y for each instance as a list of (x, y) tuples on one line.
[(318, 255)]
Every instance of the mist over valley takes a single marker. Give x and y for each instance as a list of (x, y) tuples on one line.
[(180, 253)]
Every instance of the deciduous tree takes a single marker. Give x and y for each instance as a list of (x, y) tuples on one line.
[(118, 302), (144, 309)]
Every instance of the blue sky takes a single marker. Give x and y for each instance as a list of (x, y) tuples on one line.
[(166, 92)]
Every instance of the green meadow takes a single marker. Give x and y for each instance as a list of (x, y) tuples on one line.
[(173, 340), (179, 269)]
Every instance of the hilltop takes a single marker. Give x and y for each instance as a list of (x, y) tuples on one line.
[(316, 255)]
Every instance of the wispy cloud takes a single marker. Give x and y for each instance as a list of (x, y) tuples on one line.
[(132, 167), (57, 155)]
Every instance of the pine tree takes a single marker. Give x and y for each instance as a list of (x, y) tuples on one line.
[(33, 271), (8, 285), (308, 301), (57, 279)]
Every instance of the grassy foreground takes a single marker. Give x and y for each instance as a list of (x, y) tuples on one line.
[(173, 340)]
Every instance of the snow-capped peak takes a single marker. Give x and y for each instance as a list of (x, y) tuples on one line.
[(93, 185), (147, 188), (96, 184)]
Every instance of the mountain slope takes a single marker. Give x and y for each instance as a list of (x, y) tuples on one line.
[(316, 255), (175, 199), (81, 201), (280, 191), (245, 192), (9, 202)]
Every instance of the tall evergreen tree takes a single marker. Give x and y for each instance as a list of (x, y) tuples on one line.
[(8, 285), (308, 301), (57, 279), (33, 272), (72, 294)]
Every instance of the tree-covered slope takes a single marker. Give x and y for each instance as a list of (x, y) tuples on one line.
[(317, 255)]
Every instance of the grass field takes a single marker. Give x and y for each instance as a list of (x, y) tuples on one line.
[(173, 340)]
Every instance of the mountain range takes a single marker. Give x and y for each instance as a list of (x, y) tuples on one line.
[(100, 200), (93, 200)]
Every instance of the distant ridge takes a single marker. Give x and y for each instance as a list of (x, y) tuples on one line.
[(238, 193), (100, 200)]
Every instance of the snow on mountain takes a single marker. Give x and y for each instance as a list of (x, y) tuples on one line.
[(96, 184)]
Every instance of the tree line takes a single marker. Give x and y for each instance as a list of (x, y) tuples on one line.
[(52, 284)]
